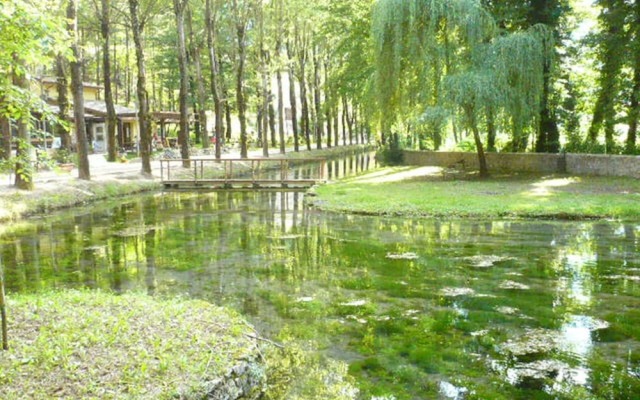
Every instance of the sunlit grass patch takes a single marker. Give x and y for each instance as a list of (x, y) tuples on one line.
[(419, 191)]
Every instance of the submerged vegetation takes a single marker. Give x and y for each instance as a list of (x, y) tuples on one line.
[(428, 192), (393, 307)]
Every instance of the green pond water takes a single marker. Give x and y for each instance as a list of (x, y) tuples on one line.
[(418, 309)]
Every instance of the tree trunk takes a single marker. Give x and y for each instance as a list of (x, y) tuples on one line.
[(604, 111), (272, 122), (144, 118), (240, 97), (336, 123), (634, 104), (200, 93), (112, 121), (491, 130), (215, 77), (548, 133), (259, 117), (24, 159), (227, 114), (62, 86), (127, 64), (3, 313), (344, 122), (316, 98), (482, 160), (265, 117), (183, 133), (292, 99), (327, 113), (304, 105), (327, 105), (264, 58), (280, 113), (78, 95), (546, 12), (5, 129)]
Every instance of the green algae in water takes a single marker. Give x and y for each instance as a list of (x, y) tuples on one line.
[(417, 308)]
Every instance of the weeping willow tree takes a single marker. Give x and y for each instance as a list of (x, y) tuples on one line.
[(448, 54)]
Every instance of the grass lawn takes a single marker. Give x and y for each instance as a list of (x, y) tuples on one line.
[(426, 191)]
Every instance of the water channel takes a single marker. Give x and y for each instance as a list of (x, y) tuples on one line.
[(419, 309)]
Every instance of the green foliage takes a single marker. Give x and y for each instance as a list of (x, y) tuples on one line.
[(391, 153), (447, 56), (63, 156), (24, 165), (30, 35)]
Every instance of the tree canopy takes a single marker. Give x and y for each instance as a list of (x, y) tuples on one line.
[(459, 74)]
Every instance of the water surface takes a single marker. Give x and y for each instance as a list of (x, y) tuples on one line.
[(417, 308)]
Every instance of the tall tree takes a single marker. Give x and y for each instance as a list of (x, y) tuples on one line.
[(77, 90), (215, 74), (179, 7), (633, 114), (302, 43), (264, 74), (24, 168), (317, 97), (612, 18), (144, 117), (62, 88), (112, 120), (196, 45), (292, 97), (241, 10), (279, 11)]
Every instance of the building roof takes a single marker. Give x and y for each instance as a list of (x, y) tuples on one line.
[(99, 108), (95, 109), (54, 81)]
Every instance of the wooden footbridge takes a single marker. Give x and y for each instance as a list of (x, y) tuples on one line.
[(241, 173)]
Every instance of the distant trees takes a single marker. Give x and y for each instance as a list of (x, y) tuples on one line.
[(618, 47), (449, 56), (498, 75)]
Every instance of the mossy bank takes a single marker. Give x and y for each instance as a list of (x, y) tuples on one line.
[(92, 344), (15, 204)]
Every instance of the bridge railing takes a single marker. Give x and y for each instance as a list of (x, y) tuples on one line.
[(242, 171)]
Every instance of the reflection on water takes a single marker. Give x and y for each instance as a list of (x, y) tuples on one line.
[(419, 308)]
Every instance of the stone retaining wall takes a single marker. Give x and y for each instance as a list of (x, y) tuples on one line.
[(579, 164), (246, 381)]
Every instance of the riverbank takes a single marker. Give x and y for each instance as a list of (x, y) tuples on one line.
[(91, 344), (434, 192), (56, 190)]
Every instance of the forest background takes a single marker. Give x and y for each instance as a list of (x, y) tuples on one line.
[(505, 75)]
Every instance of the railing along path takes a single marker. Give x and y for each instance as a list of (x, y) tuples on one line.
[(241, 173)]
